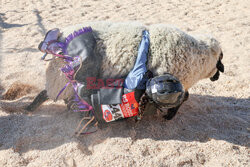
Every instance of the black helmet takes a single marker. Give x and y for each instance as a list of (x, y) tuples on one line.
[(165, 90)]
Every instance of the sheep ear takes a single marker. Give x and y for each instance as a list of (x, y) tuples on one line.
[(220, 66)]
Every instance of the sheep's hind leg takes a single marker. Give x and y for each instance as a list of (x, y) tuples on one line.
[(39, 99), (172, 111)]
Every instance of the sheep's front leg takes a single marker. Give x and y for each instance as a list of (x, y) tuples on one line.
[(39, 99), (172, 111)]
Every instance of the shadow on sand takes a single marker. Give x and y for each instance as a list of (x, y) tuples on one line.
[(39, 22), (7, 25), (201, 119)]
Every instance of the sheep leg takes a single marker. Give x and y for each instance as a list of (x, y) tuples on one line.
[(186, 96), (39, 99), (172, 111)]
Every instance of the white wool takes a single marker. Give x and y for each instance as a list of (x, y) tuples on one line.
[(171, 51)]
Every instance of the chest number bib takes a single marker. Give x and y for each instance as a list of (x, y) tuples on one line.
[(128, 108)]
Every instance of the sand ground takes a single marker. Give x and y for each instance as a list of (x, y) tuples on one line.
[(211, 129)]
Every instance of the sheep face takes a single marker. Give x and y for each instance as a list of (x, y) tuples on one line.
[(219, 68), (215, 65)]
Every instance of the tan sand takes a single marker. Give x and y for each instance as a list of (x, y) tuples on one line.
[(211, 129)]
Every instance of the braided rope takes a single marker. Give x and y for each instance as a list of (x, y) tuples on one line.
[(142, 104)]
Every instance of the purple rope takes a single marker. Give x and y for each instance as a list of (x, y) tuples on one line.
[(81, 103), (69, 72)]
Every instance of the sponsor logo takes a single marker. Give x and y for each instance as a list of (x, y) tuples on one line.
[(107, 115)]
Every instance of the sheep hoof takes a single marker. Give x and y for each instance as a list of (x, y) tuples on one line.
[(39, 99)]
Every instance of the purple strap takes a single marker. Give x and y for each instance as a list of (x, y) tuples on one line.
[(62, 90), (50, 50), (69, 72), (81, 103)]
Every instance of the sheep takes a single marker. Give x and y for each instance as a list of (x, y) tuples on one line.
[(171, 50)]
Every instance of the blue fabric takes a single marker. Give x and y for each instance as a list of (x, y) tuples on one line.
[(140, 68)]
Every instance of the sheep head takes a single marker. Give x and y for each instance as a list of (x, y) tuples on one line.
[(215, 62)]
